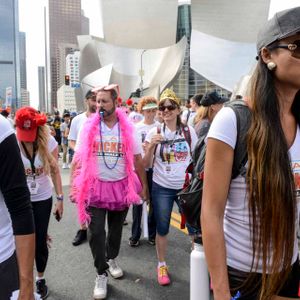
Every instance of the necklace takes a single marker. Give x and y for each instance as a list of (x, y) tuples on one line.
[(118, 141)]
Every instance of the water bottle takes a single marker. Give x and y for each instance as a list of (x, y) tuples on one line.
[(199, 279)]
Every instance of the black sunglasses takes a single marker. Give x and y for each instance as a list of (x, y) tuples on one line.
[(168, 107), (294, 47)]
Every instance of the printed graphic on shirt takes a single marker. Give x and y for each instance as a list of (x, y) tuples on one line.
[(110, 147), (296, 171), (176, 151), (38, 171)]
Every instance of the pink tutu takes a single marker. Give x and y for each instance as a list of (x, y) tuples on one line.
[(111, 195)]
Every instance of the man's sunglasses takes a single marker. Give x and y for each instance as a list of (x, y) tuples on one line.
[(168, 107), (294, 47)]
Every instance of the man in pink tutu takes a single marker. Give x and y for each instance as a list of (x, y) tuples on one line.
[(108, 177)]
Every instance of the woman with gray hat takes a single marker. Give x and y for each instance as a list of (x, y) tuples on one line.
[(249, 224)]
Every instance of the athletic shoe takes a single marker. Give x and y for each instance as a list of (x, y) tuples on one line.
[(41, 288), (81, 236), (133, 242), (163, 276), (114, 270), (151, 242), (100, 289), (64, 166)]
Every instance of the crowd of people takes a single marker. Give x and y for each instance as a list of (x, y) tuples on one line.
[(121, 158)]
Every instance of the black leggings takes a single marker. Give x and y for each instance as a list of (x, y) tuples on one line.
[(41, 213), (237, 278)]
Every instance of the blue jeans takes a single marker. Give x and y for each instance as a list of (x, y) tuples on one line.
[(163, 200)]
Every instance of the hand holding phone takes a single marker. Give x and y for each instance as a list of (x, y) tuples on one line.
[(57, 216)]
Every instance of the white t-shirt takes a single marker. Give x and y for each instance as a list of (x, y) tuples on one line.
[(111, 158), (172, 174), (7, 242), (143, 129), (236, 217), (76, 124), (43, 180), (191, 118), (135, 117)]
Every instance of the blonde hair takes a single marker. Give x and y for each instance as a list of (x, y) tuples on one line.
[(203, 112), (49, 162)]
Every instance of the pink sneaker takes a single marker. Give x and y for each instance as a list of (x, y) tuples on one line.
[(163, 276)]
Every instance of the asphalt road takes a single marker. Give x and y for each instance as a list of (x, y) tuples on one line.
[(70, 273)]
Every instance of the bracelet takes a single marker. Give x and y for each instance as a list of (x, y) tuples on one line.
[(60, 197)]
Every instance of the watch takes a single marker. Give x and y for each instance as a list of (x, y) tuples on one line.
[(60, 197)]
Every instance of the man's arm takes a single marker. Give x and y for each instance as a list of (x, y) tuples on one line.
[(140, 170), (17, 199)]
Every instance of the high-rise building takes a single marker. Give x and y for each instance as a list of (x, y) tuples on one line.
[(65, 23), (189, 82), (42, 90), (66, 99), (9, 52), (72, 68), (22, 37), (25, 98)]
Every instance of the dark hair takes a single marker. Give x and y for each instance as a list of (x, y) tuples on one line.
[(197, 98), (270, 181)]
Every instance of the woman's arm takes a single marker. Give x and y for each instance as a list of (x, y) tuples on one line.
[(217, 177), (56, 179)]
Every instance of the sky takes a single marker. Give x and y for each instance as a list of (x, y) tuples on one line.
[(31, 21)]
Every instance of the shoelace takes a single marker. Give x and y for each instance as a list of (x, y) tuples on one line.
[(100, 281), (163, 271)]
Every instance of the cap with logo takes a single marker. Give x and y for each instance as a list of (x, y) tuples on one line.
[(27, 121)]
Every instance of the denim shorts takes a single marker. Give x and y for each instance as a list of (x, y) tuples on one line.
[(163, 200)]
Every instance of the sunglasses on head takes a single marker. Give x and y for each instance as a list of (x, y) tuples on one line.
[(168, 107), (294, 47), (110, 87)]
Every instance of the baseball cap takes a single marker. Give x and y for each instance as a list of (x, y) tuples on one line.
[(211, 98), (27, 121), (89, 94), (284, 24)]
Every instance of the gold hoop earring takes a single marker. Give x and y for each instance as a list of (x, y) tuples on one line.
[(271, 65)]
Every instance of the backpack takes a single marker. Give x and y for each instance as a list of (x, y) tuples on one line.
[(191, 195)]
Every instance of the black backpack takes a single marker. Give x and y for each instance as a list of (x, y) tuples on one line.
[(191, 195)]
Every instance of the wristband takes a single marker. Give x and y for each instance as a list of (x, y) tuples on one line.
[(60, 197)]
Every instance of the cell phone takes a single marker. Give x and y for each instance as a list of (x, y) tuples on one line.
[(57, 216)]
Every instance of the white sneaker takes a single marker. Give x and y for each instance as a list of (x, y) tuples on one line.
[(114, 270), (64, 166), (100, 290)]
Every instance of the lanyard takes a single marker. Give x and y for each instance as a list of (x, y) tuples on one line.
[(103, 154), (31, 158), (169, 143)]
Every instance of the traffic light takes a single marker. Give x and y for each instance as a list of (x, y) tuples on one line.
[(67, 80)]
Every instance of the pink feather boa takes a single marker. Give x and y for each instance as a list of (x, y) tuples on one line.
[(87, 166)]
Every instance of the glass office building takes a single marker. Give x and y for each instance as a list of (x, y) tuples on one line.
[(9, 52), (190, 82)]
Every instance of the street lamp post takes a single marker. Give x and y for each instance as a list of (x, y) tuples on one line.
[(141, 73)]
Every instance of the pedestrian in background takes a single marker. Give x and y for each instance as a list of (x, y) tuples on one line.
[(147, 107), (64, 131), (249, 224), (17, 240), (75, 126), (39, 153)]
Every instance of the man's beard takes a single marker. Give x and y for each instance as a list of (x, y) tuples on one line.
[(107, 113)]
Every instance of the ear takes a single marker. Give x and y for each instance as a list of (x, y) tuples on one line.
[(266, 55)]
